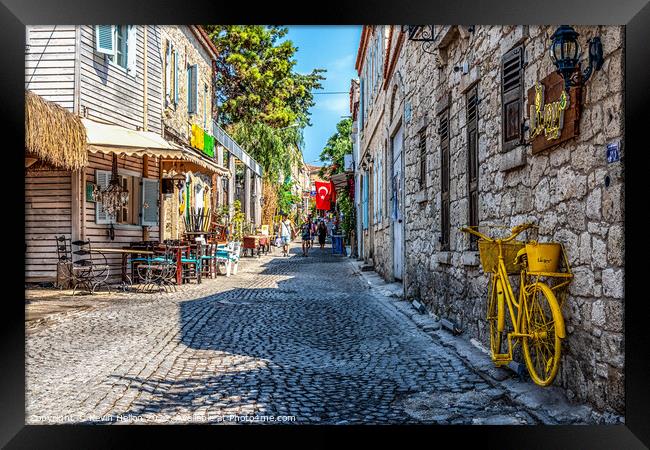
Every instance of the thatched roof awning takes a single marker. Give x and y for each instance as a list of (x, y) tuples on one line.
[(54, 134)]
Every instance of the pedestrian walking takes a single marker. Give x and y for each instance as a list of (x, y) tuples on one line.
[(322, 234), (306, 231), (286, 231)]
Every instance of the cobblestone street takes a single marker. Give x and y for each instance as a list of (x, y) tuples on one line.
[(301, 337)]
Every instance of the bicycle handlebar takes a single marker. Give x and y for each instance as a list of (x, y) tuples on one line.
[(515, 232)]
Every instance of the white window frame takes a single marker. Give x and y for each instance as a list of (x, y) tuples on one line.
[(131, 51)]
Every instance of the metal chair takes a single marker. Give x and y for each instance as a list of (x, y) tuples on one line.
[(159, 271), (90, 269), (136, 260)]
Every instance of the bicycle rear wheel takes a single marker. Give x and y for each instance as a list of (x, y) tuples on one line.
[(543, 320)]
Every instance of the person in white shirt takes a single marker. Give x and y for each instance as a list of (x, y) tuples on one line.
[(286, 231)]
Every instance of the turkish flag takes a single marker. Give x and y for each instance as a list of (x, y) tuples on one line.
[(333, 196), (323, 193)]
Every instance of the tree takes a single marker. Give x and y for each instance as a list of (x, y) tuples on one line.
[(255, 78), (264, 104), (338, 145)]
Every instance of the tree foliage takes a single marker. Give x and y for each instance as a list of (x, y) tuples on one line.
[(286, 197), (255, 77), (338, 145), (264, 103)]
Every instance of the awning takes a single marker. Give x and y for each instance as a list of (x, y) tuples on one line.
[(110, 139), (340, 180), (190, 155), (106, 138)]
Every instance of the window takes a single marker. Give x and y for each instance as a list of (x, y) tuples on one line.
[(512, 97), (118, 43), (192, 89), (472, 160), (121, 46), (142, 205), (171, 75), (443, 131), (423, 157)]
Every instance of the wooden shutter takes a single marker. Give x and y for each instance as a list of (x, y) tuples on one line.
[(150, 199), (102, 178), (131, 50), (512, 97), (192, 89), (175, 58), (443, 131), (361, 101), (167, 73), (365, 200), (105, 39), (472, 159)]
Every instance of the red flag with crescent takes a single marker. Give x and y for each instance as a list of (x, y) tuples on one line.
[(323, 193), (333, 195)]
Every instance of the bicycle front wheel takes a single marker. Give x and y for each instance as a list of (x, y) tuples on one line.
[(544, 325)]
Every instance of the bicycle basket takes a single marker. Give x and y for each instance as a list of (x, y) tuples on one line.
[(489, 253), (543, 257)]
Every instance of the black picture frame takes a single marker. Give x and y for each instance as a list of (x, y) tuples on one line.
[(634, 14)]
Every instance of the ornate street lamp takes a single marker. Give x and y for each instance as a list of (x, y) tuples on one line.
[(565, 54), (114, 196), (419, 33)]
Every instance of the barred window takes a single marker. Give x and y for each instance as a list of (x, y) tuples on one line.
[(423, 157)]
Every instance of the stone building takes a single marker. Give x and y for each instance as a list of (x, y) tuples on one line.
[(380, 127), (188, 99), (466, 164)]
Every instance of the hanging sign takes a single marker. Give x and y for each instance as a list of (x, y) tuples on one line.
[(554, 114)]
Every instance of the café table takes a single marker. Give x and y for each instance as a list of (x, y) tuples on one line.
[(125, 252)]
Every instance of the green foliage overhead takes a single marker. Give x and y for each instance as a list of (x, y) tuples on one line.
[(286, 197), (255, 77), (264, 104), (338, 145)]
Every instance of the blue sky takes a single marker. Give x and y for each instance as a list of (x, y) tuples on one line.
[(334, 48)]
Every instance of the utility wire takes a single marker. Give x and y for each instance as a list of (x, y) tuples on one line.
[(341, 92)]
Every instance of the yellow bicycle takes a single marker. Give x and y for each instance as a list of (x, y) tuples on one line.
[(535, 315)]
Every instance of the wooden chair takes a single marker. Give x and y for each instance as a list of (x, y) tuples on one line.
[(191, 263), (209, 261)]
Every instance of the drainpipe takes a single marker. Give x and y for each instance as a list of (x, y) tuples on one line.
[(145, 111)]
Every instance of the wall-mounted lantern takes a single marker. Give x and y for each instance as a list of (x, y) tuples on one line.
[(565, 54)]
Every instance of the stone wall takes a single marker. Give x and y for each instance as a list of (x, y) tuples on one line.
[(176, 118), (190, 52), (562, 189)]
